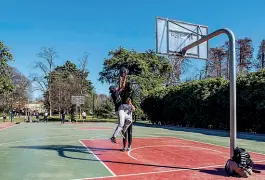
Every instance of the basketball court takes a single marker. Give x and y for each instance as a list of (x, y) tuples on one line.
[(163, 158), (5, 125), (83, 151)]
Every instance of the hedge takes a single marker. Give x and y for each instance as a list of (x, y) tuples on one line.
[(205, 104)]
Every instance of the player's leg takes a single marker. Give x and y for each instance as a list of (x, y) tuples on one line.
[(124, 140), (128, 122), (129, 133), (121, 117)]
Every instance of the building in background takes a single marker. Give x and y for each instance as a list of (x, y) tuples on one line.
[(24, 107)]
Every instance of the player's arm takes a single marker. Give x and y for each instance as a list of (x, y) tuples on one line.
[(130, 103), (122, 82), (117, 97)]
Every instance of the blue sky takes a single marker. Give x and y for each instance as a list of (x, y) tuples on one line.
[(98, 26)]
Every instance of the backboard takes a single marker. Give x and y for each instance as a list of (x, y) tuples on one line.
[(78, 100), (172, 36)]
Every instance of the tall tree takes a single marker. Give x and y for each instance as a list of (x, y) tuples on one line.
[(179, 67), (20, 93), (245, 50), (260, 61), (215, 64), (66, 81), (147, 71), (46, 64), (225, 68), (5, 76)]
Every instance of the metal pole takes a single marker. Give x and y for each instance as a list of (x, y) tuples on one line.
[(232, 72)]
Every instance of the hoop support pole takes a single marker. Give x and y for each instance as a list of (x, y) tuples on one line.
[(232, 74)]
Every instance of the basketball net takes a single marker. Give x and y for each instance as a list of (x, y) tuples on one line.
[(176, 62)]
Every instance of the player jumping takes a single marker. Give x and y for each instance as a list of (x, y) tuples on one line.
[(118, 96)]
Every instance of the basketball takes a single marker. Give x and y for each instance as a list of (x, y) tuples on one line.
[(123, 72)]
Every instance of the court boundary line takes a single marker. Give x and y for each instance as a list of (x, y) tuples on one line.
[(7, 127), (54, 137), (113, 174), (154, 172)]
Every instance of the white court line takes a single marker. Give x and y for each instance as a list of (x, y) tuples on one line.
[(21, 129), (142, 147), (7, 127), (35, 139), (157, 172), (52, 137), (98, 158)]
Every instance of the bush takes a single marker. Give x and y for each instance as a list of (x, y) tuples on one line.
[(205, 103)]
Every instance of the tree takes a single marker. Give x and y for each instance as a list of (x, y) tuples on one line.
[(48, 56), (260, 61), (105, 107), (5, 79), (179, 66), (245, 50), (21, 89), (215, 64), (226, 63), (67, 81), (147, 71)]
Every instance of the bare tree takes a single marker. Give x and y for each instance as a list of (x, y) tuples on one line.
[(244, 54), (214, 65), (83, 67), (225, 66), (48, 56), (180, 66), (260, 61)]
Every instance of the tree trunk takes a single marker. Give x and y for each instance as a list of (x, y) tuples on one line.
[(50, 102), (50, 99)]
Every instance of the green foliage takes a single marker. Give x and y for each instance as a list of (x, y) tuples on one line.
[(5, 76), (105, 110), (205, 103), (147, 71), (66, 81)]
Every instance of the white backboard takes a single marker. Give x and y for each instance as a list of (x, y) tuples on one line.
[(172, 36), (78, 100)]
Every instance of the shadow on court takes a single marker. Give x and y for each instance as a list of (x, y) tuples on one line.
[(215, 171), (220, 133), (64, 149)]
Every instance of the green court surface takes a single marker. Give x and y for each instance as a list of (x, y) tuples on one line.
[(41, 151)]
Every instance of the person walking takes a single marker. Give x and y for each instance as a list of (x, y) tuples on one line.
[(63, 116)]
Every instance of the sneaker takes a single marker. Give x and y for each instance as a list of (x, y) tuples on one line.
[(249, 171), (129, 148), (123, 149), (113, 140), (242, 173)]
